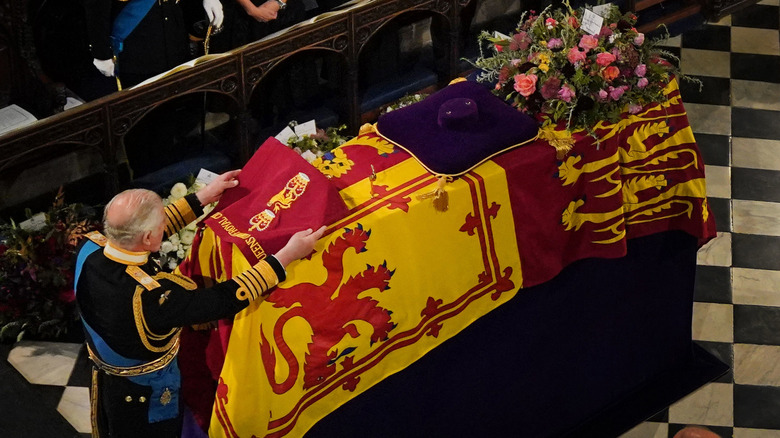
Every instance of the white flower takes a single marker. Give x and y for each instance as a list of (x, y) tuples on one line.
[(179, 190), (166, 247), (172, 264), (180, 254), (193, 226), (186, 236), (174, 239), (197, 185)]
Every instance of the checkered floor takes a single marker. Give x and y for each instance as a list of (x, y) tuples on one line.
[(736, 120), (737, 312)]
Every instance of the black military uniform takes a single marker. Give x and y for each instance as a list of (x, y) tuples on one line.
[(157, 44), (132, 313)]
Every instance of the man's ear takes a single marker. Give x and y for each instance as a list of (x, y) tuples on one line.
[(147, 239)]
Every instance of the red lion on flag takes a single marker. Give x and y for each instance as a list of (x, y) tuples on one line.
[(317, 304)]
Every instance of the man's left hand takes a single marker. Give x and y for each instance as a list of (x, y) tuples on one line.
[(213, 191), (214, 12)]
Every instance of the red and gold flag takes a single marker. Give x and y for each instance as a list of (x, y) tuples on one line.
[(395, 277)]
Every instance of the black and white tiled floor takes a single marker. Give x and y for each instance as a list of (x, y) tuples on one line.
[(736, 120)]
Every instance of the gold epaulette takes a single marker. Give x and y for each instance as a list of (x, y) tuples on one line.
[(142, 277), (97, 237), (256, 281)]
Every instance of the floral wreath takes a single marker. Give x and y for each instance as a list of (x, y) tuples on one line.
[(570, 79)]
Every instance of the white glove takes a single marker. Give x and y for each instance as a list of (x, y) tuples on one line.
[(214, 12), (105, 66)]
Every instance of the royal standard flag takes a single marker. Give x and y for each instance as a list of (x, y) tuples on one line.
[(394, 276)]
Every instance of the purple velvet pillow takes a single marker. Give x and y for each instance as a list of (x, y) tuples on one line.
[(457, 128)]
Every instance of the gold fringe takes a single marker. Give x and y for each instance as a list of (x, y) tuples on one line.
[(560, 139)]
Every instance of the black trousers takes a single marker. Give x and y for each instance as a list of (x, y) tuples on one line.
[(122, 410)]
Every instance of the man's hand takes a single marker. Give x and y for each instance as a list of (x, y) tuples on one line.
[(105, 66), (265, 12), (214, 12), (213, 191), (299, 246)]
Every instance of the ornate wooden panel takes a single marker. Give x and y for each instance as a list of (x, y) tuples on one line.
[(104, 122)]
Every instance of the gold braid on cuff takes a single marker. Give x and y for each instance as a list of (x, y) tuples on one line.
[(178, 215), (255, 282)]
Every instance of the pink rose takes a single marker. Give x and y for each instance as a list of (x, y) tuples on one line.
[(575, 55), (573, 22), (610, 73), (605, 32), (566, 93), (640, 70), (525, 84), (642, 83), (639, 39), (604, 59), (589, 42), (615, 93), (634, 108), (603, 95), (554, 43)]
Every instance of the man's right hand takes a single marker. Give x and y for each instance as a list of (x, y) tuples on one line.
[(300, 245), (265, 12), (105, 66)]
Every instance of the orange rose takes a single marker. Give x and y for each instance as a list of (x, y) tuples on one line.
[(611, 72), (525, 84)]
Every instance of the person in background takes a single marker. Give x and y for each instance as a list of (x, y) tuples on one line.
[(696, 432), (132, 312), (137, 39)]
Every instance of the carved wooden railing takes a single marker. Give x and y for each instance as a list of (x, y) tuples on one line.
[(100, 126)]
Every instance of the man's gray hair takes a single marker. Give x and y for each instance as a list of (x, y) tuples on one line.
[(144, 214)]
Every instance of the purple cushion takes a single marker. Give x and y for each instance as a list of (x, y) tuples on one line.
[(456, 128)]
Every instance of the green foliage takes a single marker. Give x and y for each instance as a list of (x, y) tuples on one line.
[(551, 68), (313, 146), (36, 271)]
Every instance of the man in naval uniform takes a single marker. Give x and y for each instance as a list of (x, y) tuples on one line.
[(137, 39), (133, 313)]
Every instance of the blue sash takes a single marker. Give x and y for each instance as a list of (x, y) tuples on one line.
[(167, 377), (127, 20)]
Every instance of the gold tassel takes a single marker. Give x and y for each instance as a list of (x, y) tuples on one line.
[(441, 199), (560, 139), (456, 80), (367, 128)]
